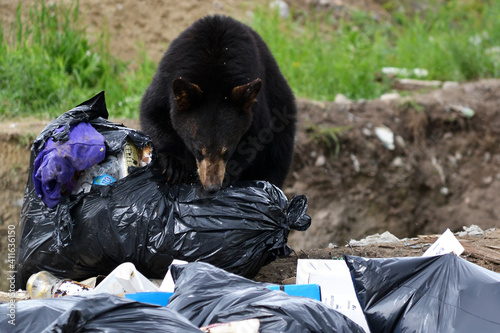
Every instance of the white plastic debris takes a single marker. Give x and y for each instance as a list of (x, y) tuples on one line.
[(125, 279), (473, 231), (386, 136), (386, 237)]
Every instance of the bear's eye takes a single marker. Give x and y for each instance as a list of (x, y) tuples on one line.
[(199, 154)]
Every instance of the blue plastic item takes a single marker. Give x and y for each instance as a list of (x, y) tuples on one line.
[(153, 297), (304, 290)]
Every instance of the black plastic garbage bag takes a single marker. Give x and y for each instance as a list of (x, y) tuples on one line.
[(97, 313), (426, 294), (143, 220), (206, 295)]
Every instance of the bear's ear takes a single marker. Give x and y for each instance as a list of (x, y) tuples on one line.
[(186, 93), (246, 94)]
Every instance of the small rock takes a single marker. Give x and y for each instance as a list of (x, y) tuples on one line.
[(282, 7), (366, 132), (447, 136), (320, 161), (397, 162), (400, 141), (320, 104), (355, 163), (488, 180), (444, 191), (332, 246), (342, 99), (386, 136), (390, 97)]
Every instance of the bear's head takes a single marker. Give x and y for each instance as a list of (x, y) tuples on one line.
[(212, 125)]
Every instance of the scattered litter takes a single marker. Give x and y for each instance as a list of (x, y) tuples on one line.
[(472, 231), (386, 136), (424, 289), (386, 237), (446, 243), (45, 285)]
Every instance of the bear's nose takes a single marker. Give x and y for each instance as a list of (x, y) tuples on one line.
[(211, 188)]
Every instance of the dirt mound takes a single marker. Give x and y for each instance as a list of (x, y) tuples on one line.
[(444, 170)]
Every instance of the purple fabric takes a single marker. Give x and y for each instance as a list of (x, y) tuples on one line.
[(57, 163)]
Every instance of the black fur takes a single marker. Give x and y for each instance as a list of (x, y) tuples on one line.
[(217, 54)]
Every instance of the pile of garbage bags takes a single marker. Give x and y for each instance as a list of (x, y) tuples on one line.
[(78, 229), (204, 295)]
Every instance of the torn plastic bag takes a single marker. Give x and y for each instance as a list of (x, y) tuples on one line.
[(97, 313), (143, 220), (56, 164), (205, 295), (426, 294)]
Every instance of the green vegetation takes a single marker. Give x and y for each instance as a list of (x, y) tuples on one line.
[(328, 137), (48, 64), (455, 40)]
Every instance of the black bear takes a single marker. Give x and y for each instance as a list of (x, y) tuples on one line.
[(219, 109)]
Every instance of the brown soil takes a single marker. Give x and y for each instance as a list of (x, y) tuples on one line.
[(443, 173)]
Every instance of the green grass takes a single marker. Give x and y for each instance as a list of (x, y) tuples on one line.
[(450, 39), (48, 64)]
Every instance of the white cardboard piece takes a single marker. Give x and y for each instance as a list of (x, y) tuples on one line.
[(337, 290), (446, 243)]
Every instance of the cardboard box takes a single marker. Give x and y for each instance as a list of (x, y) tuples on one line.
[(337, 290)]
